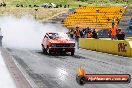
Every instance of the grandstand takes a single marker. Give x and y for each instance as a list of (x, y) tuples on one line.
[(97, 17)]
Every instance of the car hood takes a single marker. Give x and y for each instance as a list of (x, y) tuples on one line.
[(61, 40)]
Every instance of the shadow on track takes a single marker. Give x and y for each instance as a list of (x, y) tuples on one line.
[(62, 55), (54, 54)]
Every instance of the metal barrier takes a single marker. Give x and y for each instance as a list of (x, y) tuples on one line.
[(119, 47)]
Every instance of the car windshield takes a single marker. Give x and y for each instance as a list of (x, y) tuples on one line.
[(58, 35)]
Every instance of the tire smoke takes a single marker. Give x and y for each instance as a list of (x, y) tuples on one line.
[(25, 32)]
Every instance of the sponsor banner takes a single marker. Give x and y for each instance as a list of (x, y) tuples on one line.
[(83, 78), (103, 78)]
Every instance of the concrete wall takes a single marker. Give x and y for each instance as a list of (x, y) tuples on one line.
[(122, 47)]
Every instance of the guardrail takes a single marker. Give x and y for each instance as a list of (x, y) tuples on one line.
[(119, 47)]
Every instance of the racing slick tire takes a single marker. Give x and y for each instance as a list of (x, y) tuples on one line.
[(44, 50), (72, 53)]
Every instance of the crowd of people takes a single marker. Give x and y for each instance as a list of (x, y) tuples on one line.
[(84, 33), (3, 4), (114, 33), (44, 6)]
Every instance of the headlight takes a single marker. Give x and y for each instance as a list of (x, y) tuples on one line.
[(53, 45), (73, 45)]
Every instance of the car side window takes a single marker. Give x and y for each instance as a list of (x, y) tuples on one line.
[(51, 37), (45, 36)]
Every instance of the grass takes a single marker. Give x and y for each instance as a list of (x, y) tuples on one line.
[(41, 14), (72, 3)]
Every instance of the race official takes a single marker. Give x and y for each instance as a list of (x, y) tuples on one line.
[(113, 32), (77, 35)]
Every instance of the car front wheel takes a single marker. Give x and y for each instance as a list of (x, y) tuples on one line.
[(48, 51)]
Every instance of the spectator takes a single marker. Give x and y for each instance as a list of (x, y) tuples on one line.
[(80, 5), (35, 6), (4, 4), (88, 29), (71, 33), (64, 6), (30, 5), (60, 5), (120, 34), (84, 33), (77, 36), (68, 6), (89, 34), (81, 34), (94, 34), (22, 5), (17, 5), (113, 32)]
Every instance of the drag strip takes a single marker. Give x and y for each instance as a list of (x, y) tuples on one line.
[(59, 71), (19, 79)]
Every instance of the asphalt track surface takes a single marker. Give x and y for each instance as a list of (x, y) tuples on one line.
[(59, 71)]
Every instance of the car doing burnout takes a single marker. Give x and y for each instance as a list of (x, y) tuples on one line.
[(57, 43)]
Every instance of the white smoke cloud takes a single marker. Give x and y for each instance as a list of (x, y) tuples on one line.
[(25, 32)]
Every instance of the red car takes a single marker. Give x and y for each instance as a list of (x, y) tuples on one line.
[(57, 43)]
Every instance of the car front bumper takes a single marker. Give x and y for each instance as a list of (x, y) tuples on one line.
[(53, 49)]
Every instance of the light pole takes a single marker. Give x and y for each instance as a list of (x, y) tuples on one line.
[(36, 13), (97, 10), (113, 22)]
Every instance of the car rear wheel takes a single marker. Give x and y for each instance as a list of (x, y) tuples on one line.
[(72, 53), (44, 50)]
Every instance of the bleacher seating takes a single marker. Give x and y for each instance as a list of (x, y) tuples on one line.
[(97, 17)]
